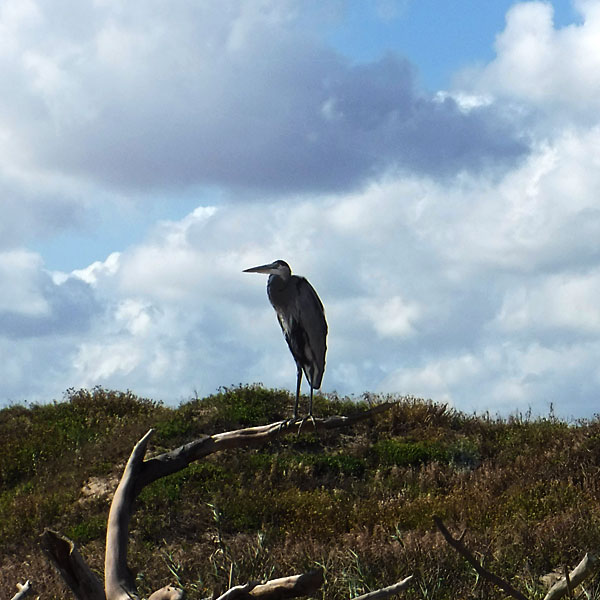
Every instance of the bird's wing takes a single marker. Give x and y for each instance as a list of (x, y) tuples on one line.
[(305, 330)]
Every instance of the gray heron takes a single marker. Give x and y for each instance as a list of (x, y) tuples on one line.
[(301, 315)]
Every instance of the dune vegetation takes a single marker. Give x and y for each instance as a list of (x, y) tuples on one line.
[(358, 502)]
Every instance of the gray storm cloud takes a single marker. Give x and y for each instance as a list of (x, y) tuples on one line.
[(149, 98)]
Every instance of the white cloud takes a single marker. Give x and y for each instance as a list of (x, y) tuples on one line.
[(437, 379), (98, 269), (555, 70), (564, 304), (393, 318)]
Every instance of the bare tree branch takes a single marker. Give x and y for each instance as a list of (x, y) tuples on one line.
[(463, 551), (76, 573), (24, 590), (387, 592), (576, 576)]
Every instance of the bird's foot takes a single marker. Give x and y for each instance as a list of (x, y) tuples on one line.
[(287, 423), (307, 418)]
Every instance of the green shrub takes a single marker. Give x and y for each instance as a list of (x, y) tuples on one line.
[(409, 453)]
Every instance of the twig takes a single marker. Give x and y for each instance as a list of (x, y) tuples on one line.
[(463, 551), (386, 592), (568, 582)]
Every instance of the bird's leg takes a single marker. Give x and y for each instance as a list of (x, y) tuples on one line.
[(310, 404), (289, 422), (298, 382), (309, 416)]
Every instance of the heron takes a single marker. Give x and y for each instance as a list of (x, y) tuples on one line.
[(301, 316)]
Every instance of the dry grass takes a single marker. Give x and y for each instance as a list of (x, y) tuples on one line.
[(359, 503)]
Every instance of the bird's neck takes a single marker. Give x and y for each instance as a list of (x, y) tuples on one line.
[(277, 282), (278, 279)]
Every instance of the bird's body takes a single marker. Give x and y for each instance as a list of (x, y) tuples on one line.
[(301, 316)]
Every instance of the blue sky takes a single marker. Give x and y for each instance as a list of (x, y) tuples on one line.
[(439, 38), (430, 167)]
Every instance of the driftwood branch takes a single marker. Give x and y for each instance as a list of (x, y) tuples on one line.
[(67, 560), (119, 584), (176, 460), (458, 545), (572, 579), (238, 592), (289, 587), (167, 593), (24, 590), (277, 589), (387, 592)]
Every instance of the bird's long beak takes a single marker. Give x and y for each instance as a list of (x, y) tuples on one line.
[(261, 269)]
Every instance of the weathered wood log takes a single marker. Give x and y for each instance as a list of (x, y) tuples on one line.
[(458, 545), (387, 592), (586, 567), (24, 590), (76, 573)]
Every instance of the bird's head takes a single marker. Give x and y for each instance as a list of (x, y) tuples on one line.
[(279, 267)]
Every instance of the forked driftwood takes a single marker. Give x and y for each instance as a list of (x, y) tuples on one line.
[(118, 581), (119, 584)]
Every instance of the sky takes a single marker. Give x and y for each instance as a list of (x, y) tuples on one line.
[(431, 167)]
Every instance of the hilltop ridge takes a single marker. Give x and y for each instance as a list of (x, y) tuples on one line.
[(357, 503)]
